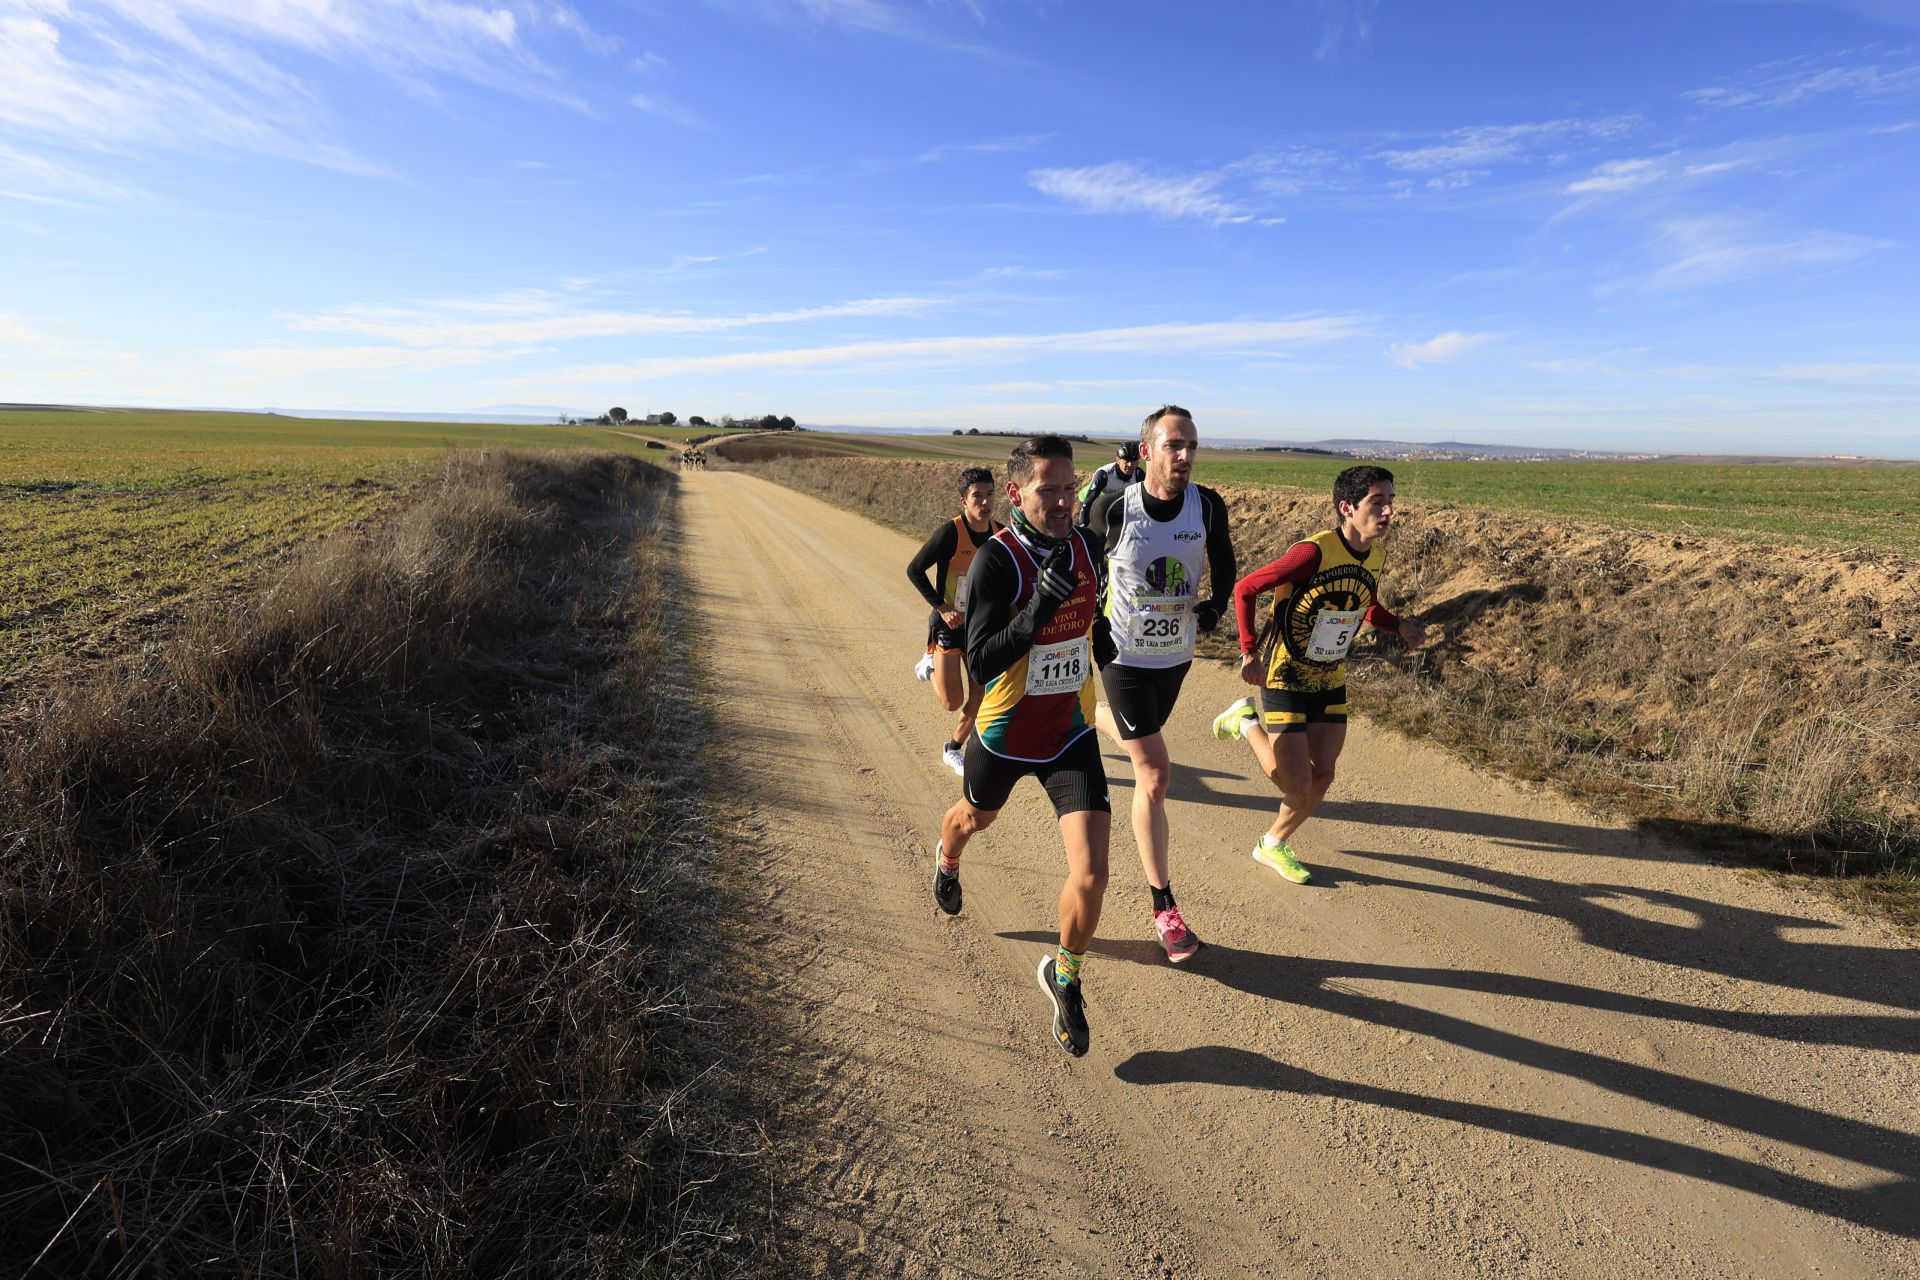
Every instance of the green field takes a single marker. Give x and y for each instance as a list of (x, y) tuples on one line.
[(106, 515), (1866, 508)]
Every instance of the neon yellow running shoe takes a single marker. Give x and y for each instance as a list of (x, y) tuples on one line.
[(1231, 723), (1280, 857)]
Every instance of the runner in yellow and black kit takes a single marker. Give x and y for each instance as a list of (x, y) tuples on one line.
[(1324, 589), (1032, 640), (949, 552)]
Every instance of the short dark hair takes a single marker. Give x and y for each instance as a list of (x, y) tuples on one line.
[(1020, 461), (973, 476), (1165, 410), (1352, 484)]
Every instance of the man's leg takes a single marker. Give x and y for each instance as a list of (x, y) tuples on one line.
[(1086, 837), (1320, 748), (1152, 771), (976, 693), (949, 683), (1286, 757), (958, 826)]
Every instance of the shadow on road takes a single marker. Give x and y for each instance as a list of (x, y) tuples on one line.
[(1327, 986)]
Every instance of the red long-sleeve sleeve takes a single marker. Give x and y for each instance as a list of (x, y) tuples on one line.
[(1300, 563), (1381, 618)]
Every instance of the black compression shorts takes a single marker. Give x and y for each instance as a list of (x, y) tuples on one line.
[(1076, 779), (1292, 710), (1142, 698), (939, 636)]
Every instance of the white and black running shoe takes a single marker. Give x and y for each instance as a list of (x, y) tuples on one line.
[(946, 886), (1069, 1011)]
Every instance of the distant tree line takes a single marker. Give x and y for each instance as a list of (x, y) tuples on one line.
[(618, 416)]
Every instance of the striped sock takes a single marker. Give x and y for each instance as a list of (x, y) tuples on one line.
[(1066, 967)]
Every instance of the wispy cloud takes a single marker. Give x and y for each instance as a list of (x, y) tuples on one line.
[(1238, 337), (1122, 187), (990, 147), (1485, 146), (537, 317), (1439, 349), (673, 113), (1892, 78), (1725, 248), (1865, 376), (218, 74), (1344, 23)]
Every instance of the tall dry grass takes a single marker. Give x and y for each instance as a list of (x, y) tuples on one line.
[(360, 931), (1758, 702)]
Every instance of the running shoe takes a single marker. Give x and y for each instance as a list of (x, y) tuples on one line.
[(1069, 1011), (1280, 858), (1232, 723), (946, 886), (923, 669), (1179, 941), (956, 758)]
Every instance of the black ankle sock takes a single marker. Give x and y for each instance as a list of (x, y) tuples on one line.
[(1162, 898)]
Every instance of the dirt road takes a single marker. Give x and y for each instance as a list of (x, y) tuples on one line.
[(1495, 1037)]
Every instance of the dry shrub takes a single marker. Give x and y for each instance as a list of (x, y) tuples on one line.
[(1749, 699), (356, 933)]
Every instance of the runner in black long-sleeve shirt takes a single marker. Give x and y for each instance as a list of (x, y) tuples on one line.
[(1032, 605), (949, 552)]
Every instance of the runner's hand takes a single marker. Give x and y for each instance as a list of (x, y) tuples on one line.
[(1057, 579), (1206, 616), (1250, 669), (1412, 633), (951, 618)]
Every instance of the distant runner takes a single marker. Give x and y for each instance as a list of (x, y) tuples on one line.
[(1331, 585), (1032, 599), (949, 553), (1124, 470), (1152, 534)]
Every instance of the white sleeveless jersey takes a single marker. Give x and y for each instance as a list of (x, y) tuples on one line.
[(1154, 581)]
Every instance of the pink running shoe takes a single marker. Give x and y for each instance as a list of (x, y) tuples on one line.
[(1179, 941)]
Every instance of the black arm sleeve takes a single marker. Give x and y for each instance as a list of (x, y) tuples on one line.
[(1221, 566), (997, 635), (1103, 521), (938, 550)]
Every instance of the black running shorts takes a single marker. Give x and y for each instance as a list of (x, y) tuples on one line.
[(1141, 698), (1076, 779), (1292, 710), (940, 636)]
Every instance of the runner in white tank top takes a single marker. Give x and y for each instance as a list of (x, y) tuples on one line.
[(1158, 537)]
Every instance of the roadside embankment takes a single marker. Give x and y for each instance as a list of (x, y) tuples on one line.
[(1759, 702), (362, 928)]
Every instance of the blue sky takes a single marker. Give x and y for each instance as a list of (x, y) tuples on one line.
[(1685, 225)]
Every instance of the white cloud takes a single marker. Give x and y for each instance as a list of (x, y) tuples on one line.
[(1344, 22), (294, 362), (1438, 349), (1798, 80), (1223, 338), (534, 317), (1121, 187), (671, 112), (1723, 248), (990, 147), (1482, 146), (1619, 175), (1849, 375), (216, 74)]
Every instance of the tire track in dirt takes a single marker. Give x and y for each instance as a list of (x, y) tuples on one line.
[(1496, 1037)]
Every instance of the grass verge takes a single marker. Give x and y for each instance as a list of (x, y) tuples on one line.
[(358, 931)]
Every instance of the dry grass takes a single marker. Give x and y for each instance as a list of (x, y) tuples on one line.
[(356, 933), (1761, 703)]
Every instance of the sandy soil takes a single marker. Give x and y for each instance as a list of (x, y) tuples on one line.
[(1495, 1037)]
